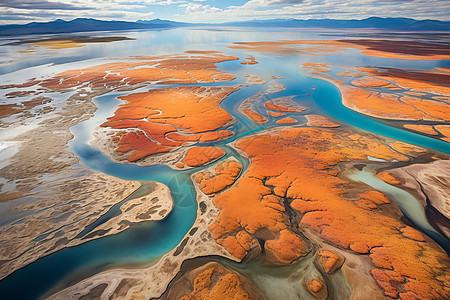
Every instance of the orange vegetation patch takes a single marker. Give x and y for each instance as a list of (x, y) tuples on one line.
[(224, 176), (415, 80), (444, 69), (286, 248), (140, 146), (371, 199), (315, 286), (329, 261), (256, 117), (199, 156), (216, 284), (206, 137), (179, 165), (168, 118), (388, 178), (441, 98), (408, 148), (428, 129), (379, 48), (61, 44), (312, 65), (298, 167), (367, 81), (414, 94), (309, 47), (276, 77), (162, 69), (275, 114), (9, 109), (202, 52), (349, 74), (287, 120), (17, 94), (322, 69), (401, 49), (391, 106), (320, 121), (412, 233), (317, 67), (284, 104), (444, 130)]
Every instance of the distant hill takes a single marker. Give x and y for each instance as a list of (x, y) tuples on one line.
[(76, 25), (86, 25), (405, 24), (164, 23)]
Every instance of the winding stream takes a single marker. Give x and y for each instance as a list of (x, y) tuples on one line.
[(409, 205)]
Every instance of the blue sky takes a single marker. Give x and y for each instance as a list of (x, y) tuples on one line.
[(24, 11)]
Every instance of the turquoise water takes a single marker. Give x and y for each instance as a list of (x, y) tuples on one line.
[(337, 110), (409, 205), (147, 241)]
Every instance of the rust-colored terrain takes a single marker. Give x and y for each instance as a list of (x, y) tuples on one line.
[(372, 47), (287, 120), (284, 104), (319, 121), (199, 156), (162, 120), (399, 94), (138, 70), (213, 281), (224, 175), (295, 169)]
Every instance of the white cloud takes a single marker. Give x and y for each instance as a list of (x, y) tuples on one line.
[(267, 3), (195, 8), (24, 11), (320, 9), (205, 11), (11, 15)]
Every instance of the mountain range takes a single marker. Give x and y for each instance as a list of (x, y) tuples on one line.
[(87, 25)]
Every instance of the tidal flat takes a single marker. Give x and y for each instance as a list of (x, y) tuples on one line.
[(211, 164)]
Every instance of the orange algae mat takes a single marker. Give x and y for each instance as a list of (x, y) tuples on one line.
[(224, 286), (371, 47), (224, 176), (284, 104), (393, 106), (368, 95), (416, 80), (139, 70), (421, 128), (275, 114), (287, 120), (254, 116), (188, 114), (404, 265), (199, 156), (319, 121), (444, 130)]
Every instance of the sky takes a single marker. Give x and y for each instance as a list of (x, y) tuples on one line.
[(216, 11)]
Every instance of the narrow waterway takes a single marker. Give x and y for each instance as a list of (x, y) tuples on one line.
[(409, 205)]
